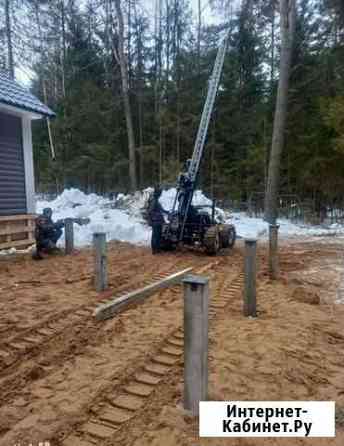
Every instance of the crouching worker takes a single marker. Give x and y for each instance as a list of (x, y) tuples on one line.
[(156, 219), (47, 233)]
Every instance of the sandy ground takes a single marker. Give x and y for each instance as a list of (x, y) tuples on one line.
[(72, 381)]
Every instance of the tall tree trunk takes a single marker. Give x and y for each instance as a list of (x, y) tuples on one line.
[(272, 66), (9, 38), (129, 45), (158, 57), (266, 153), (122, 60), (168, 44), (199, 27), (44, 86), (63, 50), (158, 75), (107, 40), (160, 153), (176, 64), (288, 18), (140, 93)]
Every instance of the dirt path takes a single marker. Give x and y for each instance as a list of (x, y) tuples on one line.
[(67, 379)]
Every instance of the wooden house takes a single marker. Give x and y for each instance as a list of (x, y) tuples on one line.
[(18, 107)]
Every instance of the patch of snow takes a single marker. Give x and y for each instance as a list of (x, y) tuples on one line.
[(13, 251), (121, 218), (118, 224), (258, 228)]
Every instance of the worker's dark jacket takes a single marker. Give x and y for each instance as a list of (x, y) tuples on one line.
[(47, 232), (156, 212)]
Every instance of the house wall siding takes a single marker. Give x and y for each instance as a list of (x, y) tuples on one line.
[(13, 193)]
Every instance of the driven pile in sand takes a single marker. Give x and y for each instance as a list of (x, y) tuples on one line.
[(62, 372)]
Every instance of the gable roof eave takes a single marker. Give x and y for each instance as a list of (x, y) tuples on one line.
[(15, 95)]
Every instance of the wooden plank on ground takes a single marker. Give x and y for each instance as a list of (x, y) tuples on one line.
[(117, 305)]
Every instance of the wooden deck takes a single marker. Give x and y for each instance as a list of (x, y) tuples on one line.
[(17, 231)]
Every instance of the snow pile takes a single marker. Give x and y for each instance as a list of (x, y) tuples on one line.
[(168, 196), (134, 203), (5, 252), (199, 199), (118, 224), (258, 228), (121, 218)]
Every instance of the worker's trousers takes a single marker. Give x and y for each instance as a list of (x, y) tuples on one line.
[(156, 238)]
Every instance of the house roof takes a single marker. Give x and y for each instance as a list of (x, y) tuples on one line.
[(12, 93)]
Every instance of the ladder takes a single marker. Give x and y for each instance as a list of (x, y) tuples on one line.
[(207, 110)]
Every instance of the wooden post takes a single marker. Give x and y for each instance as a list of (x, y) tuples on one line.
[(99, 244), (273, 251), (196, 301), (250, 278), (69, 236)]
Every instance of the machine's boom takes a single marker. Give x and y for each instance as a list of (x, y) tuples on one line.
[(207, 110), (187, 181)]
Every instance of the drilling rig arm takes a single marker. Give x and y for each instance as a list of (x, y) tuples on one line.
[(187, 182), (213, 86)]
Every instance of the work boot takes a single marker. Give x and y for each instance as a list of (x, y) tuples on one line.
[(36, 255)]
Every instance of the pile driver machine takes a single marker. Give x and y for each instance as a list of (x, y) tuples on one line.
[(188, 224)]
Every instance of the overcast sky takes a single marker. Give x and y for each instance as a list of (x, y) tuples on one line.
[(206, 11), (208, 17)]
